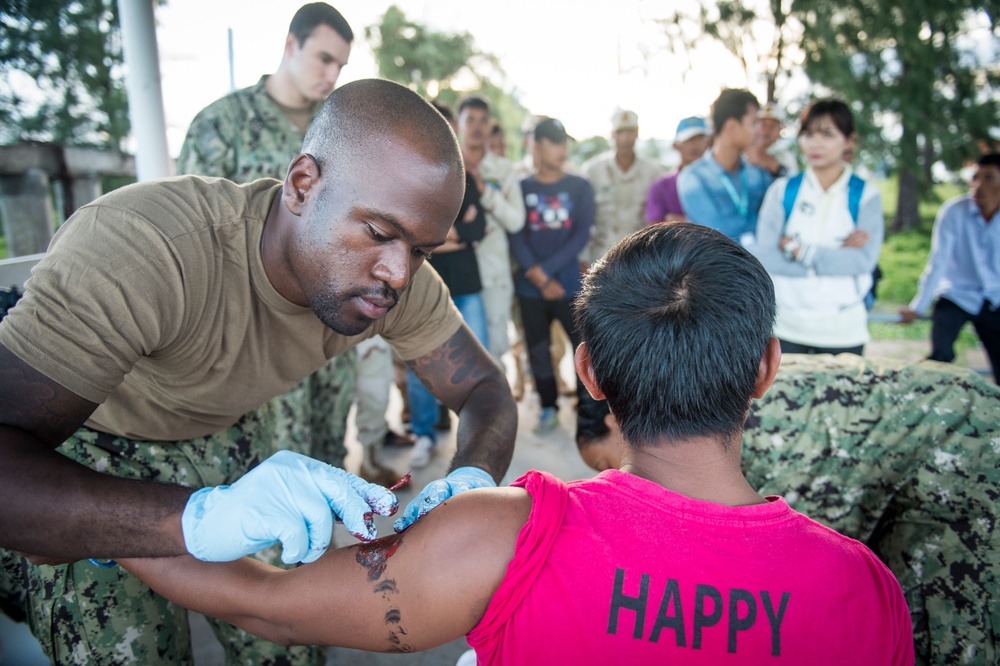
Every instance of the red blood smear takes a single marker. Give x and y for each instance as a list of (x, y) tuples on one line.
[(402, 482), (374, 555)]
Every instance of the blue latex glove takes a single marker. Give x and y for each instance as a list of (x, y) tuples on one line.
[(289, 498), (462, 479)]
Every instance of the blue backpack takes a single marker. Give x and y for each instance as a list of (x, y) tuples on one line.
[(855, 187)]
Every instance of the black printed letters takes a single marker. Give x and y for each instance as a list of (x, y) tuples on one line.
[(706, 605)]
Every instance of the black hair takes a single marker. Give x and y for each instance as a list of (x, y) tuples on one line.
[(473, 102), (318, 13), (368, 111), (731, 104), (676, 319), (837, 111), (989, 159)]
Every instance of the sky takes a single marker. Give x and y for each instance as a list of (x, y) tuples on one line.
[(571, 60)]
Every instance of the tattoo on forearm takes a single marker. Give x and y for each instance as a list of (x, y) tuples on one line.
[(458, 357), (374, 557)]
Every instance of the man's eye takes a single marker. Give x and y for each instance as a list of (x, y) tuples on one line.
[(420, 253), (376, 234)]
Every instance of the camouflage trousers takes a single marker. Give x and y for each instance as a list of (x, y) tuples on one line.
[(905, 459), (312, 417), (84, 614)]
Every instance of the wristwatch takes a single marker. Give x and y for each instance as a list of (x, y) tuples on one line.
[(790, 249)]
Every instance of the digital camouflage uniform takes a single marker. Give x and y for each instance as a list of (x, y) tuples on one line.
[(245, 136), (903, 458), (67, 606)]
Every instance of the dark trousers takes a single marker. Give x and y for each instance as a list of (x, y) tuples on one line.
[(948, 319), (795, 348), (537, 315)]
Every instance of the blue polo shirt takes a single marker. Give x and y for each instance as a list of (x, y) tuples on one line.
[(724, 200)]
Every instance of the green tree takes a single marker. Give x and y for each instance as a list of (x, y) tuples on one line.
[(922, 75), (441, 66), (60, 73), (926, 70)]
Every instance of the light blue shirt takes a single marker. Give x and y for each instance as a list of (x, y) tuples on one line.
[(964, 263), (720, 199)]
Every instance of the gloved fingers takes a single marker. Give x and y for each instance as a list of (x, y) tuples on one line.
[(306, 535), (381, 500), (432, 495), (410, 514), (338, 485), (357, 516)]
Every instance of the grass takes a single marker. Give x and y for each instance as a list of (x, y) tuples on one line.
[(902, 261)]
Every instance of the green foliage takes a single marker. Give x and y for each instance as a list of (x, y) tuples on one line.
[(902, 260), (412, 54), (925, 73), (904, 254), (444, 67), (60, 73), (923, 77), (582, 150)]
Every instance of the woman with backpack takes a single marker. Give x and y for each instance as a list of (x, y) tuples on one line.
[(819, 235)]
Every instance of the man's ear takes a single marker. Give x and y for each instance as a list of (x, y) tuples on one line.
[(586, 371), (291, 43), (769, 364), (302, 183)]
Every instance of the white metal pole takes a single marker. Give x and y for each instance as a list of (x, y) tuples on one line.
[(142, 81)]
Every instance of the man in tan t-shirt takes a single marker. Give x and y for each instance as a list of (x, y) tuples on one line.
[(165, 311)]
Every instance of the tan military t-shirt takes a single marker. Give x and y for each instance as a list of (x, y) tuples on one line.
[(153, 301)]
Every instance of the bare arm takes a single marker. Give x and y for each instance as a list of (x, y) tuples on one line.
[(463, 376), (411, 591), (55, 507)]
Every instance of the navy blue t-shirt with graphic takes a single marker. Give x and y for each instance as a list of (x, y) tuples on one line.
[(557, 228)]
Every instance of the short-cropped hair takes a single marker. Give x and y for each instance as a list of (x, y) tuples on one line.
[(676, 318), (319, 13)]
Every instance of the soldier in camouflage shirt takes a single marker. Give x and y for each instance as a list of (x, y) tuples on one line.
[(249, 134), (900, 457), (255, 133)]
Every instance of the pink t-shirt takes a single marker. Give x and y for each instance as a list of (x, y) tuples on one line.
[(619, 570)]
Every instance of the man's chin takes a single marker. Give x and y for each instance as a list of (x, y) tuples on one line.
[(347, 327)]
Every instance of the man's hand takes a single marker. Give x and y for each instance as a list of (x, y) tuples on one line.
[(908, 315), (470, 214), (856, 238), (289, 498), (758, 156), (436, 492), (536, 276), (553, 291)]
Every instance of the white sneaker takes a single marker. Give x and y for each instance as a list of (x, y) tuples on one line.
[(423, 450)]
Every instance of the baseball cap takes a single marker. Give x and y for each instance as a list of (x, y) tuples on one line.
[(690, 127), (771, 111), (622, 119), (551, 129)]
